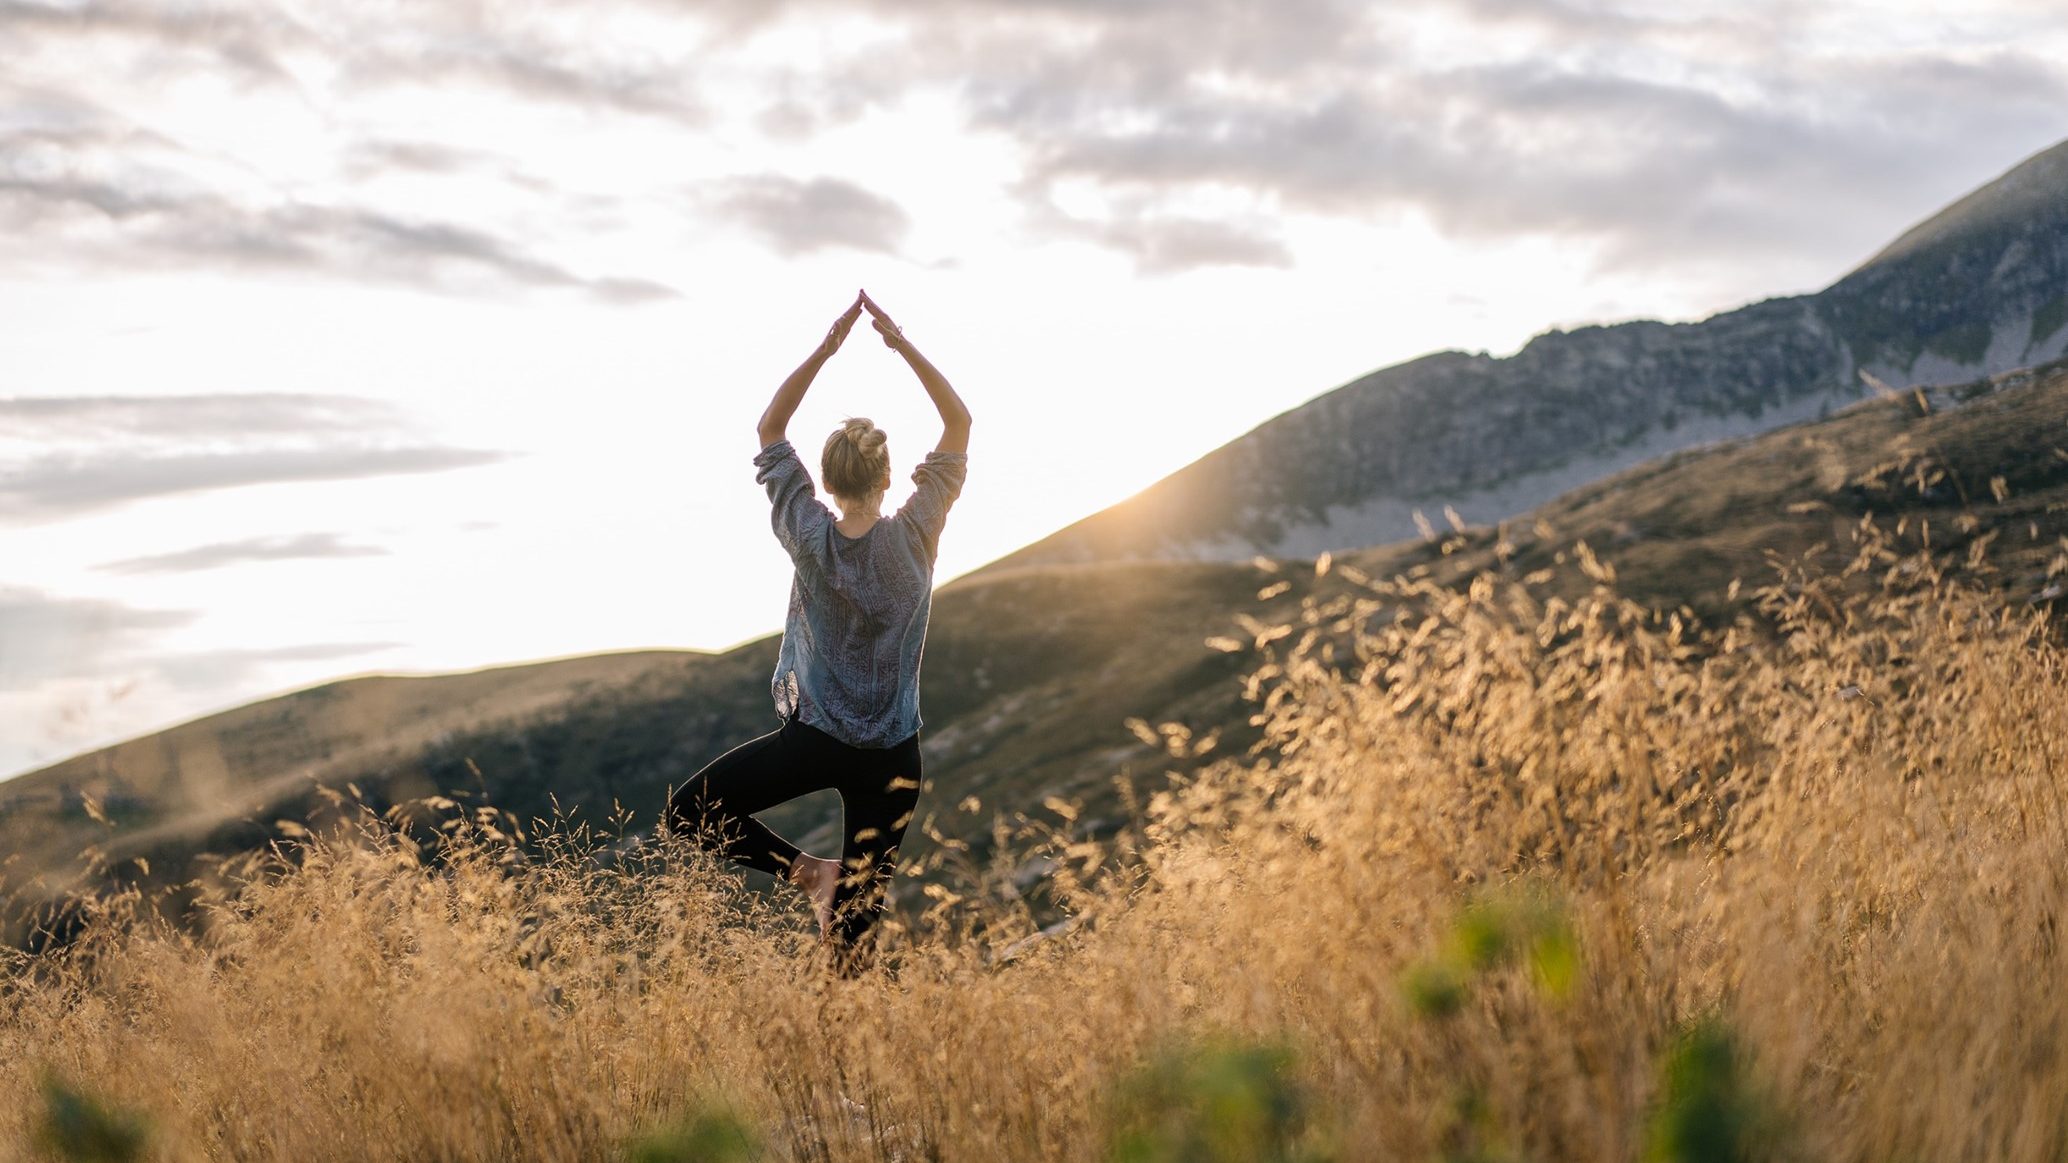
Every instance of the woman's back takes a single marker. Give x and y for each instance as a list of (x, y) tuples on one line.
[(856, 627)]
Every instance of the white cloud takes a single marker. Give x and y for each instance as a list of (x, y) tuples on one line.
[(797, 216), (1646, 131), (64, 456), (287, 547), (45, 636)]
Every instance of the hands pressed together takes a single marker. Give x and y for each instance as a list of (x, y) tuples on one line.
[(836, 335), (954, 414)]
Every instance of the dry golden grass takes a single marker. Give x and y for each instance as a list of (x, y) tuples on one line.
[(1518, 878)]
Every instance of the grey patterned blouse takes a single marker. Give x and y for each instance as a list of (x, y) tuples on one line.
[(858, 605)]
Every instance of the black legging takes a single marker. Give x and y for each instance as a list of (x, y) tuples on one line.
[(879, 789)]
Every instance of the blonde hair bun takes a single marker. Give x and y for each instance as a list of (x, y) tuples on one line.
[(866, 435), (856, 463)]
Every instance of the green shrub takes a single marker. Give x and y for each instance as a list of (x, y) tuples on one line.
[(1708, 1110), (77, 1127), (705, 1134), (1519, 925), (1219, 1101)]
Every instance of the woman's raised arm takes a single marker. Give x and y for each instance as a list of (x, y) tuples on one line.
[(775, 422), (954, 414)]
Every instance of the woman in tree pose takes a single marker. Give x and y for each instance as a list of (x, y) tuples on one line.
[(847, 678)]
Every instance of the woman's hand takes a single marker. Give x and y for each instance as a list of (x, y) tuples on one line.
[(776, 420), (892, 337), (954, 415), (837, 334)]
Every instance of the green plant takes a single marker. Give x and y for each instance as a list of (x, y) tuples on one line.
[(1521, 924), (1708, 1110), (77, 1127), (704, 1134), (1217, 1101)]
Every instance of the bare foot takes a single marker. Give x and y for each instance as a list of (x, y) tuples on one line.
[(817, 877)]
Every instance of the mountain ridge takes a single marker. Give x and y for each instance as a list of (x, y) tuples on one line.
[(2022, 190), (1978, 288)]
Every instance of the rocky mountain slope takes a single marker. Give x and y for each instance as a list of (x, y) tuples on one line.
[(1980, 288), (1031, 673)]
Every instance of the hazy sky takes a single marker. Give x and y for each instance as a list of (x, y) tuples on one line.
[(349, 335)]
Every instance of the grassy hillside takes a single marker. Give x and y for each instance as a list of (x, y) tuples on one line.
[(1982, 465), (1031, 674)]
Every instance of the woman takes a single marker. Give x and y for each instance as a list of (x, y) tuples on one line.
[(847, 679)]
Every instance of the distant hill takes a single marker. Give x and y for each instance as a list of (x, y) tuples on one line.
[(1978, 464), (1979, 288), (1030, 673)]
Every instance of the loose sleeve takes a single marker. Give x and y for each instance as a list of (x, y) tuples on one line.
[(798, 516), (939, 479)]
